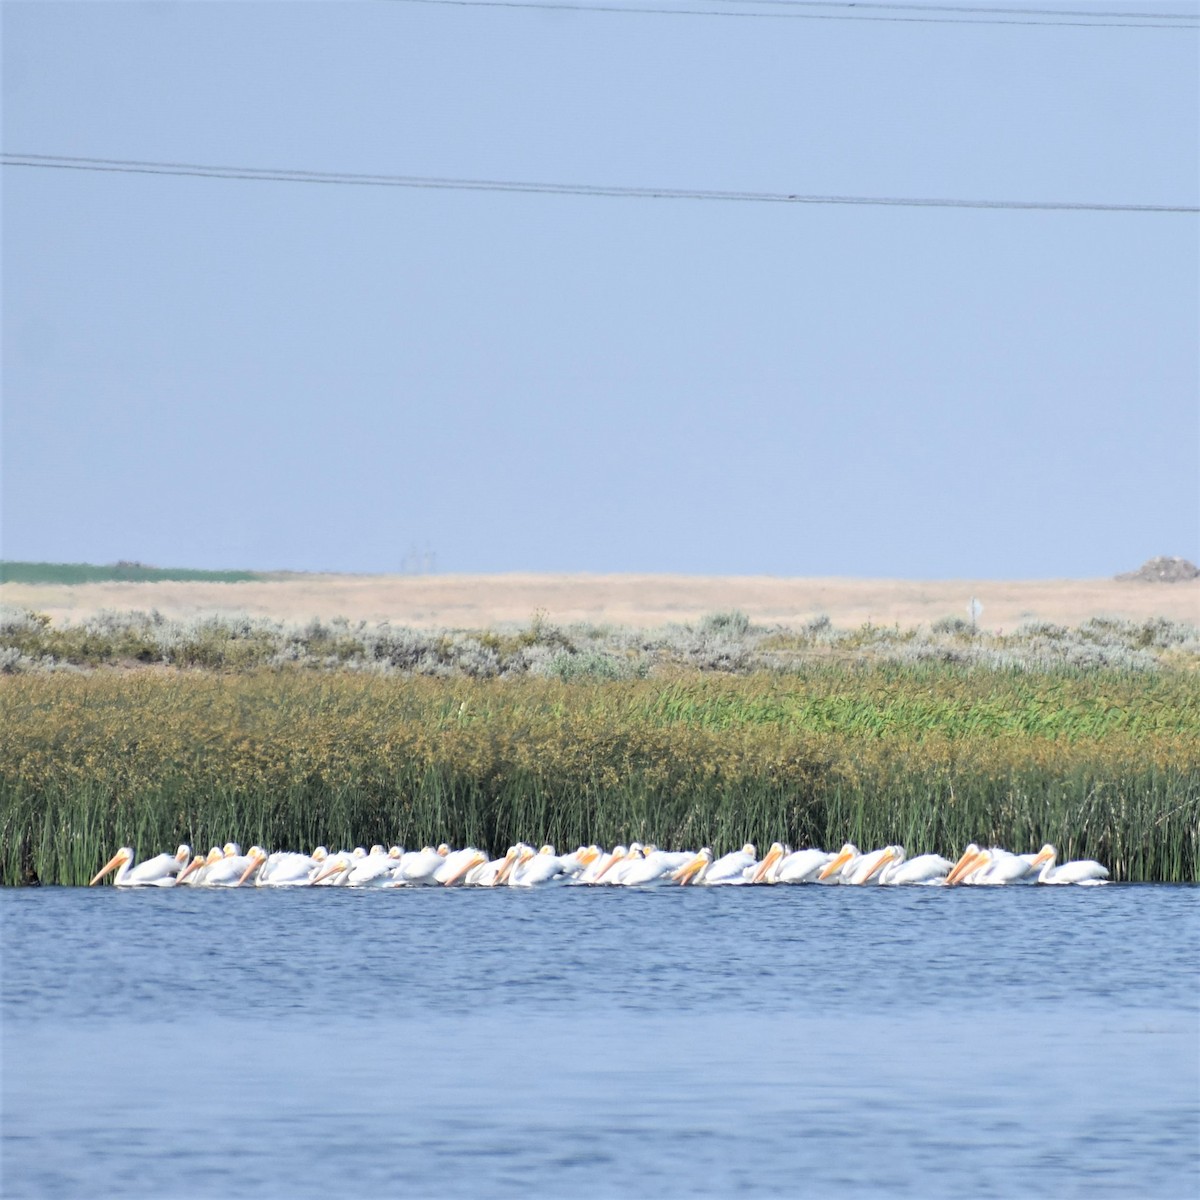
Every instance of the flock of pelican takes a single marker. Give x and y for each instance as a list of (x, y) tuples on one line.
[(625, 866)]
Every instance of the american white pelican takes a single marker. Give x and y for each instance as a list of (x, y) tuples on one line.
[(693, 871), (865, 869), (765, 871), (159, 871), (418, 868), (924, 869), (965, 863), (620, 864), (374, 869), (231, 869), (802, 866), (490, 874), (654, 866), (535, 870), (735, 868), (290, 869), (457, 865), (1082, 870), (834, 870), (998, 868), (602, 864)]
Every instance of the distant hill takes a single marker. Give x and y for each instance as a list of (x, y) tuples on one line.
[(1163, 570), (121, 572)]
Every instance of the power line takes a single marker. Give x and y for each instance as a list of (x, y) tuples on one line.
[(975, 9), (348, 179), (1025, 17)]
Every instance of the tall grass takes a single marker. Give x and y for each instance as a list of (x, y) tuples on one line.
[(1104, 765)]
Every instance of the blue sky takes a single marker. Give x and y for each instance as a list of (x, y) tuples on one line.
[(225, 373)]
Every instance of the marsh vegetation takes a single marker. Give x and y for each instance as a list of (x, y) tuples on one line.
[(927, 751)]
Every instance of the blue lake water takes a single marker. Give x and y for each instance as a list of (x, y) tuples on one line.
[(678, 1042)]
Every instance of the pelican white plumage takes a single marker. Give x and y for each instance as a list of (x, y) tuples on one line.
[(336, 869), (734, 868), (457, 865), (1084, 871), (966, 862), (490, 874), (834, 871), (622, 862), (765, 872), (694, 870), (998, 868), (654, 866), (419, 868), (802, 866), (291, 869), (231, 869), (596, 871), (373, 869), (537, 870), (866, 868), (160, 871), (924, 869)]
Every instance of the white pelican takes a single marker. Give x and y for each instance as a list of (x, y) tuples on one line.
[(159, 871), (802, 866), (732, 868), (998, 868), (694, 870), (457, 865), (490, 874), (834, 871), (602, 864), (866, 867), (1082, 870), (188, 875), (419, 867), (765, 871), (924, 869), (193, 874), (373, 869), (965, 863), (620, 862), (230, 869), (533, 870), (290, 869), (654, 866)]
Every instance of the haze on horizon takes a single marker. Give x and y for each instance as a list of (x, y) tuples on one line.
[(244, 374)]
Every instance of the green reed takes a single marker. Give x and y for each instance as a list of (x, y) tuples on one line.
[(1106, 767)]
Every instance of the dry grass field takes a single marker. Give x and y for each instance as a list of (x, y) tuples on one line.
[(640, 601)]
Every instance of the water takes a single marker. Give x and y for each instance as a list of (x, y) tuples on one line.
[(766, 1041)]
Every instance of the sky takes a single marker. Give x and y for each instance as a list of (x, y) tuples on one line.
[(262, 374)]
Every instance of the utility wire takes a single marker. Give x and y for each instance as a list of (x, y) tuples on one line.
[(976, 9), (342, 178), (779, 13)]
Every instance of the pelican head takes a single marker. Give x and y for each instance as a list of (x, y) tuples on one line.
[(690, 871), (195, 865), (964, 863), (772, 856), (122, 856), (257, 856), (848, 851), (1047, 854), (619, 852), (886, 856)]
